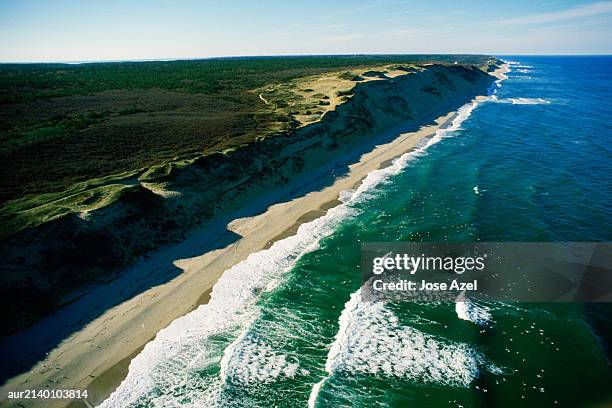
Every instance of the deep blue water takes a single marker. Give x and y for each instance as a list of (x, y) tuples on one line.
[(534, 163)]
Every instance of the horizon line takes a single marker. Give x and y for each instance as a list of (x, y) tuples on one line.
[(173, 59)]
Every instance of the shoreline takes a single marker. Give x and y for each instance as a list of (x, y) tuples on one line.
[(121, 332), (256, 230)]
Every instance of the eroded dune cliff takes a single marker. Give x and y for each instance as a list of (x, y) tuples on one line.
[(46, 264)]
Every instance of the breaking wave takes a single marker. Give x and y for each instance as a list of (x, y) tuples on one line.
[(523, 101), (371, 340), (529, 101), (467, 309)]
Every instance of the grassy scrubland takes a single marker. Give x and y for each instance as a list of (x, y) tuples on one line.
[(61, 124), (70, 135)]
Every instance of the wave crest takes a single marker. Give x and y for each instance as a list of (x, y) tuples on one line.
[(371, 340), (469, 310)]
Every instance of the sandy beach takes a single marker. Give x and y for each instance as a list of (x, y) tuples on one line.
[(97, 357)]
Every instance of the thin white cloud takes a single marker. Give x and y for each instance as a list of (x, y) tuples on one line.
[(592, 9)]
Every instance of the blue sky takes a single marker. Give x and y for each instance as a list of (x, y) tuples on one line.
[(62, 30)]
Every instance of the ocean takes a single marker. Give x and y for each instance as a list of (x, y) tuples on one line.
[(287, 327)]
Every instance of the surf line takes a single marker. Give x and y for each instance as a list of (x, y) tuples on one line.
[(462, 114), (227, 306)]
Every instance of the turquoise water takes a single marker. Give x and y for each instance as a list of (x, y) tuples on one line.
[(287, 327)]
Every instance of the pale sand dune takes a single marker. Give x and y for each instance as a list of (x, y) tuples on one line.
[(97, 356), (304, 94)]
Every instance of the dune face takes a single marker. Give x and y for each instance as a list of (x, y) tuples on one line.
[(47, 263)]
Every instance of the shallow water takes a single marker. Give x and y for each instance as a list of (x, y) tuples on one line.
[(287, 327)]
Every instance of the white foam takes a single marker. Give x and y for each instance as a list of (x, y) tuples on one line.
[(371, 340), (181, 349), (476, 190), (468, 310), (496, 85), (314, 393), (522, 101), (529, 101), (251, 362)]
